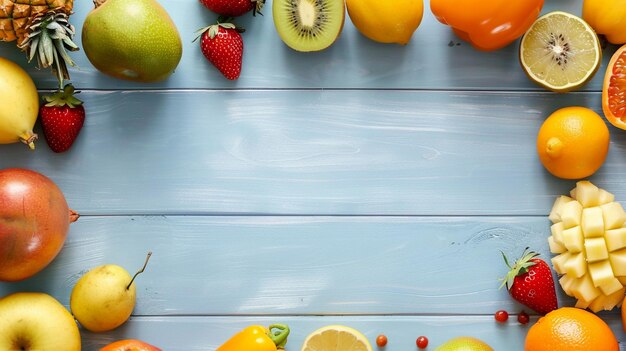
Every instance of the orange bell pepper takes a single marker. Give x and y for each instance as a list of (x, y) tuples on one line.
[(258, 338), (487, 24), (607, 17)]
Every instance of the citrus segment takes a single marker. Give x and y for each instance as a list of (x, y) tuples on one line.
[(560, 52), (614, 89), (573, 142), (570, 329), (336, 338)]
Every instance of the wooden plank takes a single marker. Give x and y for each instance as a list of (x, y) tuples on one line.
[(208, 333), (428, 62), (301, 265), (313, 152)]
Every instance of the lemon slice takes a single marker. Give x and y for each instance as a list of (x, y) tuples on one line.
[(336, 338), (560, 52)]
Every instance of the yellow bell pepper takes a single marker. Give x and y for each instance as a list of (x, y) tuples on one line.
[(487, 24), (607, 17), (258, 338)]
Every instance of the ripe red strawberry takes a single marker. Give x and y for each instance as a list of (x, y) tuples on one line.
[(234, 8), (530, 283), (222, 45), (62, 118)]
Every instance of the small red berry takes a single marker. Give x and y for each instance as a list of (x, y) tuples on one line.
[(523, 318), (381, 340), (422, 342), (502, 316)]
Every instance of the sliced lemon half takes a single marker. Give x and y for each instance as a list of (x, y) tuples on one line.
[(336, 338), (560, 52)]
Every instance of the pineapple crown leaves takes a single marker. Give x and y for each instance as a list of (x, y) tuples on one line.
[(63, 97), (49, 40), (213, 29), (520, 267)]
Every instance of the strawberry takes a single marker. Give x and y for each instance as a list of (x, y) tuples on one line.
[(234, 8), (62, 118), (530, 283), (222, 45)]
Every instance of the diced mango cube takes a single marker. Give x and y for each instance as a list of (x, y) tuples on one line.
[(558, 262), (611, 287), (614, 300), (576, 265), (573, 239), (595, 250), (613, 215), (601, 272), (555, 248), (587, 194), (584, 289), (618, 262), (592, 222), (580, 303), (615, 239), (621, 279), (567, 283), (557, 232), (597, 304), (605, 197), (570, 214), (555, 213)]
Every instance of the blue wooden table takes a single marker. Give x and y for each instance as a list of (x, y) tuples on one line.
[(369, 185)]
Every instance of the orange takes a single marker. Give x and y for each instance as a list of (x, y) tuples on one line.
[(570, 329), (573, 142), (614, 89)]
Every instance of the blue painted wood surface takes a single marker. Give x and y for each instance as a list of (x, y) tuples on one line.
[(369, 185)]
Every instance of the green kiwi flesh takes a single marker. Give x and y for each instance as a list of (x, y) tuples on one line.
[(308, 25)]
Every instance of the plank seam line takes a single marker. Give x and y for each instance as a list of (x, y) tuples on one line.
[(425, 90), (319, 215), (295, 315)]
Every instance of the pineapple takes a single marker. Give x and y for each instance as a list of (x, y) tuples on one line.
[(589, 236), (41, 28)]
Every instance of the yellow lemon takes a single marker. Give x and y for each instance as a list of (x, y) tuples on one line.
[(573, 142), (336, 338), (388, 21)]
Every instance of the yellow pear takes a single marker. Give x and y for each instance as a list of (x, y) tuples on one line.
[(19, 106), (104, 298)]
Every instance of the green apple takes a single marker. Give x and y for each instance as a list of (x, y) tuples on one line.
[(36, 321), (104, 298), (464, 343)]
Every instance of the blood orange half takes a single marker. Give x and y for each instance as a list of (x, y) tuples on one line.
[(614, 90)]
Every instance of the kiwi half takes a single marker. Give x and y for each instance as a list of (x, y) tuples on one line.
[(308, 25)]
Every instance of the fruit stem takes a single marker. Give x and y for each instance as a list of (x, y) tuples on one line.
[(140, 271), (29, 140), (279, 337), (98, 3), (73, 216)]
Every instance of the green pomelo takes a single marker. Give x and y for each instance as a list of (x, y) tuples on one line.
[(132, 39), (464, 343), (308, 25)]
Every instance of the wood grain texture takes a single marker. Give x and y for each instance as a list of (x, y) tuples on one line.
[(290, 265), (207, 333), (369, 185), (432, 60), (313, 152)]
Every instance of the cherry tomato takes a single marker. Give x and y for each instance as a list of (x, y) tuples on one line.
[(523, 318), (381, 340), (422, 342), (501, 316)]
